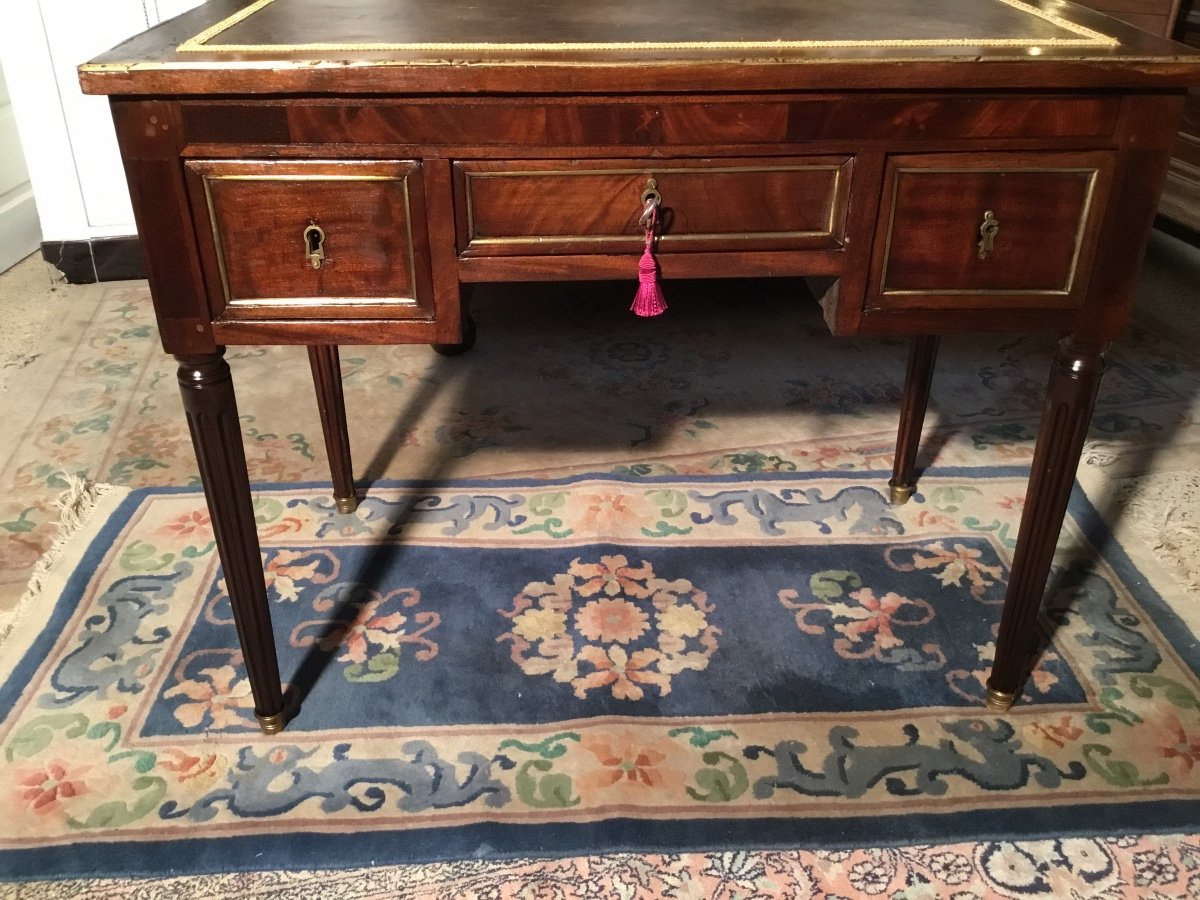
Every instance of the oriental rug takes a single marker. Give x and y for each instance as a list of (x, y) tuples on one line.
[(596, 663)]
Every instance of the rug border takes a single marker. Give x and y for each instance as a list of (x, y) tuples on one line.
[(500, 841)]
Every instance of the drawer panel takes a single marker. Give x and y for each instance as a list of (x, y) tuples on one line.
[(593, 206), (1043, 210), (372, 238)]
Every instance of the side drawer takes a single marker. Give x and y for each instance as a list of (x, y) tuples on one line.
[(264, 262), (1043, 212), (593, 206)]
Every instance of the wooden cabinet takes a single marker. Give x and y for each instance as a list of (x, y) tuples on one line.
[(1181, 197), (1178, 19)]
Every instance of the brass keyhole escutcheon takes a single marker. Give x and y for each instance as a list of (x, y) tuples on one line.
[(987, 234), (314, 245)]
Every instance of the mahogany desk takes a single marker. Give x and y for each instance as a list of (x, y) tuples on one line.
[(328, 172)]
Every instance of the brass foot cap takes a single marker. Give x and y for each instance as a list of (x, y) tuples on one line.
[(1000, 701), (901, 493), (272, 724), (346, 504)]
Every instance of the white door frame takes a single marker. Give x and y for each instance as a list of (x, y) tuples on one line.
[(20, 232)]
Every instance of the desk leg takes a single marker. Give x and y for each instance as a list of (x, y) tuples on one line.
[(1070, 398), (468, 325), (212, 417), (327, 378), (467, 342), (922, 355)]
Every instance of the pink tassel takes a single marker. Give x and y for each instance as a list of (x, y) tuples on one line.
[(649, 300)]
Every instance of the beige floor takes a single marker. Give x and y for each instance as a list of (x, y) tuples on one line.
[(33, 300)]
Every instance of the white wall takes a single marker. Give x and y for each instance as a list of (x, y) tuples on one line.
[(69, 143), (19, 231)]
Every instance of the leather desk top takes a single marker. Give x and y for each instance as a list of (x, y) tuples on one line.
[(659, 26), (626, 45)]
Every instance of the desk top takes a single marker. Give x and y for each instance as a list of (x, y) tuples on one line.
[(508, 27), (489, 45)]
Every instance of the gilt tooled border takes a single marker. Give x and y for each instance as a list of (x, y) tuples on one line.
[(1087, 38)]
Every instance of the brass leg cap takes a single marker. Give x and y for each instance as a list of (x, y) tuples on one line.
[(272, 724), (346, 504), (1000, 701), (901, 493)]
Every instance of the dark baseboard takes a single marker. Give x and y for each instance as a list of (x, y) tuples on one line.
[(1177, 230), (100, 259)]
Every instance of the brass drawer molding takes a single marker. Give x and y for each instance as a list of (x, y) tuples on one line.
[(251, 208), (782, 205), (1049, 205)]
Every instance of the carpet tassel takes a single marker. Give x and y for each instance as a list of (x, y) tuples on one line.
[(649, 300)]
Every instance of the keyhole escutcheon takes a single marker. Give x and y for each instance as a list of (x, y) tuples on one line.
[(314, 245), (987, 234)]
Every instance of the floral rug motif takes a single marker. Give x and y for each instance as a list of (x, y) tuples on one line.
[(600, 662)]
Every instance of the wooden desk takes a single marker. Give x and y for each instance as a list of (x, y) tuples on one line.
[(438, 143)]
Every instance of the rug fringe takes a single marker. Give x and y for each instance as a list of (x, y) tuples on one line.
[(1176, 543), (1162, 508), (75, 506)]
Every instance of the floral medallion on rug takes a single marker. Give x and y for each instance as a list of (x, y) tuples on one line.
[(499, 667)]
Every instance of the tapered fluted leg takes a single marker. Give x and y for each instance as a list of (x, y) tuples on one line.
[(327, 378), (212, 417), (922, 355), (1070, 398)]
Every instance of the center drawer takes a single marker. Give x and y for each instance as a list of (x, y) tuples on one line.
[(593, 206)]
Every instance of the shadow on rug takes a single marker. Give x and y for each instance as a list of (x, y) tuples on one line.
[(497, 667)]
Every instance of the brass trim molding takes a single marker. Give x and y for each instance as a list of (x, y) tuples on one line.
[(237, 303), (277, 302), (200, 43), (473, 240)]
